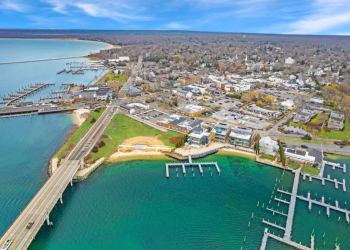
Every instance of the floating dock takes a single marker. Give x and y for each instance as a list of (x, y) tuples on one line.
[(184, 165)]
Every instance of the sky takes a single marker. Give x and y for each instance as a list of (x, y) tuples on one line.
[(330, 17)]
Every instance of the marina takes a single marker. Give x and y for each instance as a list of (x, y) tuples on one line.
[(26, 91)]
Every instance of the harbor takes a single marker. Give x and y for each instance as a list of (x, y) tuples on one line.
[(23, 93)]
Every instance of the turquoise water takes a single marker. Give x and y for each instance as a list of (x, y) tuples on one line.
[(27, 143), (34, 49), (132, 205), (15, 76)]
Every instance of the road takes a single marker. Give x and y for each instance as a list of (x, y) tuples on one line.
[(135, 69), (24, 229)]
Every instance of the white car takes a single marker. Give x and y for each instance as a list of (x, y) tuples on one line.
[(6, 245)]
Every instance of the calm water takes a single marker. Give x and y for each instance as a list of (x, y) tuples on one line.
[(15, 76), (27, 143), (133, 206)]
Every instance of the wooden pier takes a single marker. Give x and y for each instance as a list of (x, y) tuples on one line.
[(184, 165)]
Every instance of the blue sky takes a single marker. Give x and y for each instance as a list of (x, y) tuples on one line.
[(262, 16)]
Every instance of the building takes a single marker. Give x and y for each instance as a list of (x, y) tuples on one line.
[(336, 121), (304, 116), (241, 137), (221, 132), (191, 110), (199, 137), (309, 156), (268, 146), (288, 104)]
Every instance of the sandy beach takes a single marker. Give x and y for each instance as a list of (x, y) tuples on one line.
[(79, 116), (136, 155)]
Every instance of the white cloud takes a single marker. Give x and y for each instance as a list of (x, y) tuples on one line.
[(317, 24), (115, 10), (325, 16), (176, 26), (13, 6)]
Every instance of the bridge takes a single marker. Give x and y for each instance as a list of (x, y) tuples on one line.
[(24, 229)]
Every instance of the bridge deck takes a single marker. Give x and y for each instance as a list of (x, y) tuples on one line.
[(37, 211)]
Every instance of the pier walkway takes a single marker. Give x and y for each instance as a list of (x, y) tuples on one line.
[(290, 243), (321, 203), (26, 92), (291, 209), (328, 178), (183, 165), (24, 229)]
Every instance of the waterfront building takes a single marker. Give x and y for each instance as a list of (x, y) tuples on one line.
[(309, 156), (268, 146), (199, 137), (221, 132), (241, 137)]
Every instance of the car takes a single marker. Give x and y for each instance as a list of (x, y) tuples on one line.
[(6, 245), (30, 224)]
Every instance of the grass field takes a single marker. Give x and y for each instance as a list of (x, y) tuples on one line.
[(268, 157), (293, 165), (310, 170), (121, 78), (78, 133), (122, 128), (338, 135)]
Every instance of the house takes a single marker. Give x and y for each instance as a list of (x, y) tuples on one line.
[(316, 103), (241, 137), (221, 132), (288, 104), (304, 116), (134, 91), (336, 121), (268, 146), (199, 137)]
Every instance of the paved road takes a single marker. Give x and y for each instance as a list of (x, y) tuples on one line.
[(39, 208), (135, 70)]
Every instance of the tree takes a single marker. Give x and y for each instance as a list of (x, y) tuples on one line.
[(281, 153), (307, 137), (257, 147)]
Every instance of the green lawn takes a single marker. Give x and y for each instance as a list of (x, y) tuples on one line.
[(311, 170), (123, 127), (121, 78), (78, 133), (293, 165), (268, 157), (319, 119), (338, 135)]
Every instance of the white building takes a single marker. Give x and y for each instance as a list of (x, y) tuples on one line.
[(268, 146), (299, 155), (289, 61), (289, 104)]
